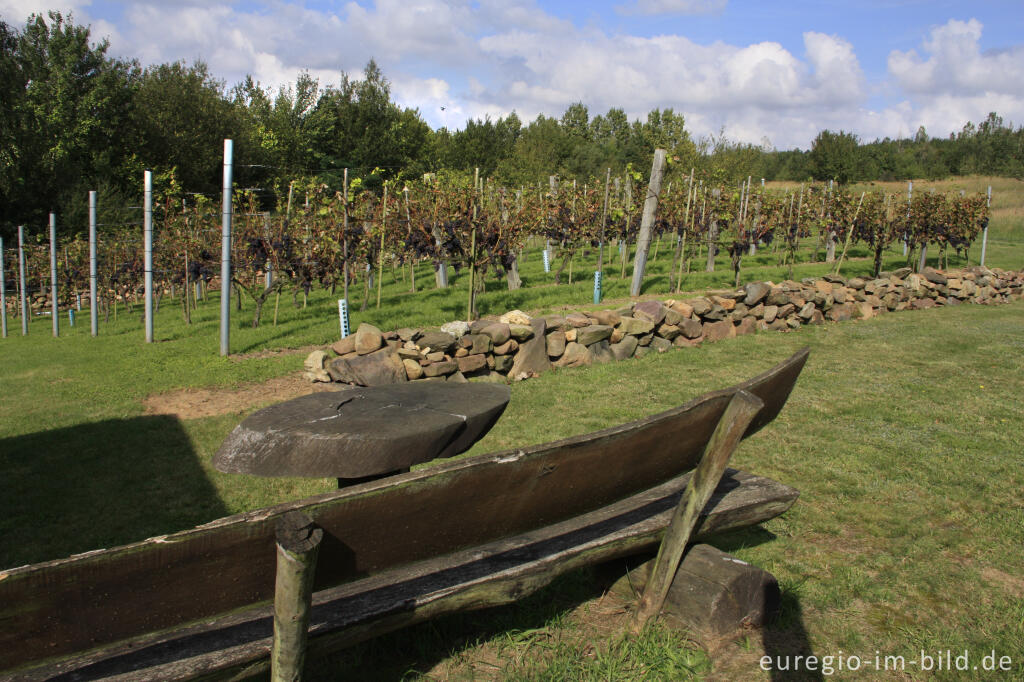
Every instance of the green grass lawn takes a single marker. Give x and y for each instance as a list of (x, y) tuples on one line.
[(903, 436)]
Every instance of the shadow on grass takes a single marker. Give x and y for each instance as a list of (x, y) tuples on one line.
[(784, 638), (786, 642), (99, 485)]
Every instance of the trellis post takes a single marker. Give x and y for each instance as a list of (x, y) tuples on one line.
[(55, 318), (225, 251), (93, 312), (147, 237), (21, 280)]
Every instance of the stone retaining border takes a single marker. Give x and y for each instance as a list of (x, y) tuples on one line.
[(517, 347)]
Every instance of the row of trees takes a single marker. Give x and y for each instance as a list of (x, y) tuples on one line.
[(75, 119), (318, 236)]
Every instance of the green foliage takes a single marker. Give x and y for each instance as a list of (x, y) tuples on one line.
[(180, 117), (834, 156), (65, 105), (74, 119)]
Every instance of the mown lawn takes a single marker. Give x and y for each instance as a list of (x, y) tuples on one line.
[(903, 436)]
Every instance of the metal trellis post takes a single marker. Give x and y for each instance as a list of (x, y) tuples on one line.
[(55, 318), (3, 290), (225, 251), (147, 234), (21, 278), (93, 312)]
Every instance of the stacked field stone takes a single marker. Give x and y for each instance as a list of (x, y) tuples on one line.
[(516, 347)]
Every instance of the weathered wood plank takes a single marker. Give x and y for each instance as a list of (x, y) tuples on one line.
[(87, 601), (494, 574), (741, 411)]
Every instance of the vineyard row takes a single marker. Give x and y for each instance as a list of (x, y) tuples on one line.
[(336, 238)]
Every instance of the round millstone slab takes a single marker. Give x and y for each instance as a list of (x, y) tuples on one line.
[(364, 431)]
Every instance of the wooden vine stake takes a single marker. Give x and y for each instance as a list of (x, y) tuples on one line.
[(344, 235), (643, 240), (849, 233), (734, 422), (681, 248), (471, 304), (380, 256), (604, 221), (298, 543), (408, 231)]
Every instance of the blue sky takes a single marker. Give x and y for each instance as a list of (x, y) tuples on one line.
[(772, 73)]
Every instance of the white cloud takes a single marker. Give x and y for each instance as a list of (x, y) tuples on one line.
[(15, 12), (688, 7), (749, 90), (489, 57), (956, 81), (956, 65)]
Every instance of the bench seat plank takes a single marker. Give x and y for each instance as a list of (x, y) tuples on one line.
[(488, 575)]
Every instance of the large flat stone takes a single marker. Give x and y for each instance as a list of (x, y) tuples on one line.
[(716, 331), (652, 311), (368, 339), (575, 355), (374, 369), (635, 326), (555, 343), (593, 333), (437, 341), (756, 292), (362, 431), (499, 332), (600, 353), (532, 357), (625, 348)]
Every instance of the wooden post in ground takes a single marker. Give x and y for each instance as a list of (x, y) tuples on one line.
[(604, 221), (643, 240), (741, 411), (380, 256), (298, 542), (471, 305), (849, 233), (712, 235), (344, 235)]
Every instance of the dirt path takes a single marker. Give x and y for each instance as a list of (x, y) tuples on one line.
[(194, 403)]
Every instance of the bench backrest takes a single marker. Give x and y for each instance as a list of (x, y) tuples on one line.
[(61, 607)]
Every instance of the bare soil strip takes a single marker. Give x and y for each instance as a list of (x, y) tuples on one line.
[(195, 403)]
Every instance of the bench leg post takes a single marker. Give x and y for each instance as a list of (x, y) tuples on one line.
[(298, 542), (737, 416)]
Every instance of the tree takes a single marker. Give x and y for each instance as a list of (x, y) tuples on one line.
[(181, 116), (65, 112), (361, 128), (834, 156)]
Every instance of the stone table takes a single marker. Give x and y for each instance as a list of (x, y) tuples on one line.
[(364, 432)]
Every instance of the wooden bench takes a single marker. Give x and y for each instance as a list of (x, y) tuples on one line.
[(470, 533)]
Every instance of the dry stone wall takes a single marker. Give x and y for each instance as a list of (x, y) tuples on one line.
[(517, 347)]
